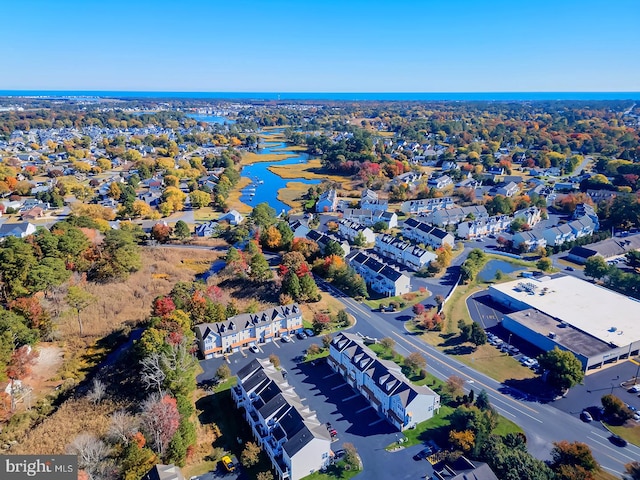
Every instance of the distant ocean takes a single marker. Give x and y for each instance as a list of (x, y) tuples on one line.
[(380, 96)]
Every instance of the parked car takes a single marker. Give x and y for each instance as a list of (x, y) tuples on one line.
[(569, 269), (328, 424), (586, 416), (635, 389), (286, 338), (254, 349), (636, 417), (301, 335), (631, 407), (333, 432), (309, 332), (423, 454), (338, 454), (228, 463)]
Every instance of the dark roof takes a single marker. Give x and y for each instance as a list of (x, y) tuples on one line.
[(391, 273), (582, 252)]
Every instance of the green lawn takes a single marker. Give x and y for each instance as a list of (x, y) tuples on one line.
[(630, 434), (336, 471), (408, 300)]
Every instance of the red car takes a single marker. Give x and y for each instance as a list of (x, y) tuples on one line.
[(333, 432)]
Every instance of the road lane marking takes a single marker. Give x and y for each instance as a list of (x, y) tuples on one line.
[(462, 374), (619, 452)]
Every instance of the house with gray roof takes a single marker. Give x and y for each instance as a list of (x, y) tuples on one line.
[(247, 329), (379, 276), (426, 205), (351, 230), (322, 239), (421, 232), (290, 433), (164, 472), (327, 202), (403, 252), (20, 230), (453, 216), (381, 383)]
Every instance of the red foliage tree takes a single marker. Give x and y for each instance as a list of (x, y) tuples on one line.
[(160, 419), (418, 309), (161, 232), (163, 306)]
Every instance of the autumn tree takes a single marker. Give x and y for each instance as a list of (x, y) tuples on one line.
[(464, 440), (92, 453), (122, 427), (266, 475), (271, 237), (415, 362), (161, 232), (351, 456), (223, 372), (200, 199), (19, 367), (615, 408), (275, 360), (573, 460), (160, 420), (633, 469), (388, 343), (250, 455)]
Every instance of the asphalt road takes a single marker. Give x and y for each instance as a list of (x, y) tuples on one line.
[(542, 423)]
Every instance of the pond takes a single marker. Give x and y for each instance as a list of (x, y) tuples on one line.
[(211, 118), (488, 273), (216, 266)]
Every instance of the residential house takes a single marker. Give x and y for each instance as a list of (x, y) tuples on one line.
[(20, 230), (508, 189), (299, 228), (453, 216), (581, 227), (233, 217), (426, 205), (381, 383), (584, 209), (246, 329), (403, 252), (288, 431), (379, 277), (530, 215), (448, 165), (463, 469), (32, 214), (483, 226), (408, 179), (440, 183), (327, 202), (368, 195), (164, 472), (371, 217), (351, 230), (422, 232), (528, 241), (375, 205), (601, 195), (495, 170), (323, 240), (206, 229)]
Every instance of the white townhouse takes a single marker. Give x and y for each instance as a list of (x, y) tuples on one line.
[(453, 216), (410, 179), (529, 241), (299, 228), (327, 202), (350, 230), (246, 329), (403, 252), (371, 201), (421, 232), (381, 383), (584, 209), (379, 277), (293, 438), (531, 215), (426, 205), (581, 227), (371, 217), (483, 226), (233, 217)]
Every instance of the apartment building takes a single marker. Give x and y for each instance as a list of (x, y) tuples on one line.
[(350, 230), (421, 232), (483, 226), (381, 382), (453, 216), (246, 329), (379, 277), (293, 438), (403, 252), (426, 205)]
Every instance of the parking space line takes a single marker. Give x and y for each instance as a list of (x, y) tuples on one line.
[(339, 386), (363, 409), (376, 422), (276, 343), (351, 397), (330, 375)]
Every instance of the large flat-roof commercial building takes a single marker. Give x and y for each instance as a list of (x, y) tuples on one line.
[(598, 325)]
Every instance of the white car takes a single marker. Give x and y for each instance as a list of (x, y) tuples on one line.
[(254, 349), (286, 338), (635, 389)]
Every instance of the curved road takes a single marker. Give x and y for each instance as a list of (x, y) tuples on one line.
[(543, 424)]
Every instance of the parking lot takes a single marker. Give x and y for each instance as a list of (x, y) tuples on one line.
[(334, 401)]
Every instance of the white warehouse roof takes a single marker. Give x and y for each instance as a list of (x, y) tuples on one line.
[(602, 313)]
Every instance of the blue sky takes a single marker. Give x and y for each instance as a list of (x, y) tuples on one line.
[(321, 46)]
